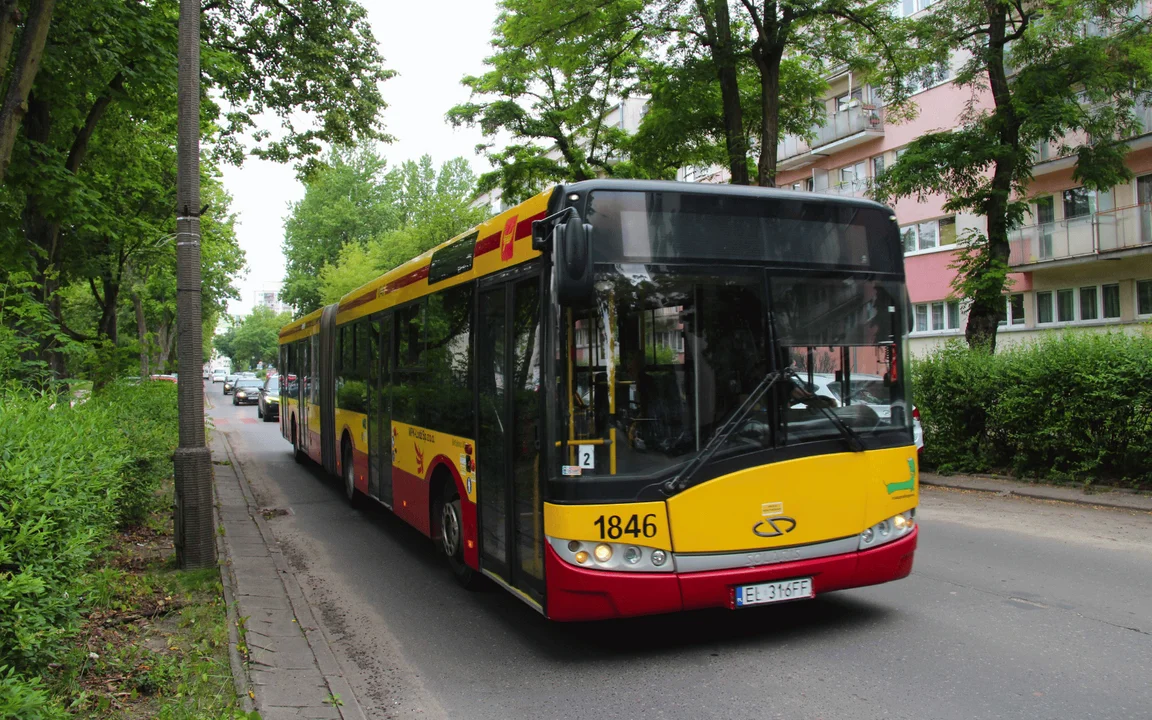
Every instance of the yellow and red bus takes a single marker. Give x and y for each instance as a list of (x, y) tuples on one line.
[(621, 398)]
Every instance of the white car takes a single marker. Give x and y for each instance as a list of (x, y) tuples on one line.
[(218, 375)]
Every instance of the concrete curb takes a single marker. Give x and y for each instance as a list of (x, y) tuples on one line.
[(239, 664), (317, 639), (1118, 499)]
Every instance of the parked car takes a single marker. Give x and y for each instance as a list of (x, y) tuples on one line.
[(218, 375), (229, 383), (246, 391), (167, 378), (268, 404), (207, 373)]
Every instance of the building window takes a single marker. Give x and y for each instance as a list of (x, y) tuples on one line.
[(1144, 297), (947, 231), (937, 316), (929, 234), (1016, 308), (1065, 312), (1043, 307), (1079, 202), (1089, 303), (877, 166), (1111, 295), (908, 8), (850, 100)]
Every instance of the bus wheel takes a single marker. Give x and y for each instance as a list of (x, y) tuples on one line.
[(350, 490), (297, 455), (452, 539)]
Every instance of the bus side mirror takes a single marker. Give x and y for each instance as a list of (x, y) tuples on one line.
[(572, 245)]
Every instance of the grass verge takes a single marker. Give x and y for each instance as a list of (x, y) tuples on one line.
[(153, 640)]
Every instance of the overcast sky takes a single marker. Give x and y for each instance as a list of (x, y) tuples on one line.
[(430, 51)]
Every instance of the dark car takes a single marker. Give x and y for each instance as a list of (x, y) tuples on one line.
[(268, 404), (246, 391), (230, 383)]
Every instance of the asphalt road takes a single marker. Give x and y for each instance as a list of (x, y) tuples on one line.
[(1015, 609)]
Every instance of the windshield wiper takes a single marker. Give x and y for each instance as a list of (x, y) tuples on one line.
[(855, 444), (680, 482)]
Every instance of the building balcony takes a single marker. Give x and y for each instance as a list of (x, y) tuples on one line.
[(841, 130), (1102, 235), (1047, 156)]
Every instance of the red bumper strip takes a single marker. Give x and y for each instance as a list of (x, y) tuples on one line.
[(580, 594)]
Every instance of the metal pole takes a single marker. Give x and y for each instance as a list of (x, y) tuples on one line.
[(194, 538)]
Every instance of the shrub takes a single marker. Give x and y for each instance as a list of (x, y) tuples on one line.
[(67, 476), (1071, 406)]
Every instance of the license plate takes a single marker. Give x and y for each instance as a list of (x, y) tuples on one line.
[(779, 591)]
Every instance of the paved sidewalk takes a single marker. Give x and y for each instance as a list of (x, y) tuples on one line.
[(1123, 499), (292, 671)]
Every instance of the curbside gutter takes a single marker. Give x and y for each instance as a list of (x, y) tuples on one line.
[(1111, 498)]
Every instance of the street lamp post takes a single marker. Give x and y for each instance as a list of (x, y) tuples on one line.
[(194, 538)]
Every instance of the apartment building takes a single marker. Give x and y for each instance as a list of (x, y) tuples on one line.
[(1083, 260)]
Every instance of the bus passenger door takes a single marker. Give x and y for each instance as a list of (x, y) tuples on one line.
[(508, 443), (380, 412)]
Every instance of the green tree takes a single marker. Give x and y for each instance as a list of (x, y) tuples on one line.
[(108, 73), (1052, 71), (349, 200), (431, 205), (555, 72), (257, 336)]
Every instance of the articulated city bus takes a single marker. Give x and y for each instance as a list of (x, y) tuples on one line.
[(629, 397)]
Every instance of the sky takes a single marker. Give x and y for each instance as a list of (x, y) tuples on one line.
[(431, 52)]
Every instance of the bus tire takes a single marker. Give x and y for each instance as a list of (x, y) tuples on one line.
[(451, 537), (297, 454), (349, 474)]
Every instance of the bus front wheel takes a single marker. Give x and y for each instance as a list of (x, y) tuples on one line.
[(452, 538)]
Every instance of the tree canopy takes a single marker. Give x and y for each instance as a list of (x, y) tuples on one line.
[(87, 202), (352, 224)]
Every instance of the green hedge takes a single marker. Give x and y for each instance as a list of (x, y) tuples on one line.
[(1076, 406), (68, 475)]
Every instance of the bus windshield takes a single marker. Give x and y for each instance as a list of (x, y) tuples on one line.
[(669, 351)]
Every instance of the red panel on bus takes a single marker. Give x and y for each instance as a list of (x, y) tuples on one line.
[(578, 594), (410, 499)]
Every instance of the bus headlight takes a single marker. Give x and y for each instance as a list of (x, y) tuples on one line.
[(613, 556), (888, 530)]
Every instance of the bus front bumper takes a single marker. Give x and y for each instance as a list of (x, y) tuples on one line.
[(576, 593)]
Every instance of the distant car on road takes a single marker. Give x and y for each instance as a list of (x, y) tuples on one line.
[(246, 391), (268, 403), (218, 375), (230, 383)]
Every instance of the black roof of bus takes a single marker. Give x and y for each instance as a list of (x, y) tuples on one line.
[(692, 188)]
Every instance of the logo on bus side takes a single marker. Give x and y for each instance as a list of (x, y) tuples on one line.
[(775, 522), (508, 239)]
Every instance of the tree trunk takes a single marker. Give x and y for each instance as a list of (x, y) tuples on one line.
[(988, 301), (109, 324), (23, 75), (141, 333), (9, 19), (768, 59), (724, 56)]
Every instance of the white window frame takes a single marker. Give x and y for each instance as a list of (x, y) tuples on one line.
[(920, 249), (1011, 319), (932, 311), (1077, 306), (1136, 299)]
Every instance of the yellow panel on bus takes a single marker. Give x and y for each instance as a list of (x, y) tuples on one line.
[(794, 502)]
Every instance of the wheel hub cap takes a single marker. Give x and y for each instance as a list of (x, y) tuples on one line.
[(450, 528)]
